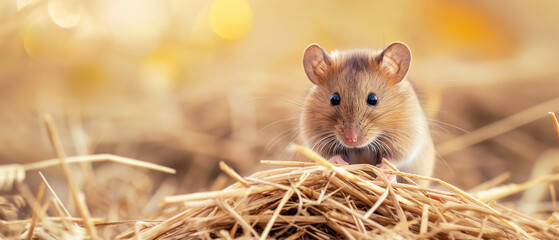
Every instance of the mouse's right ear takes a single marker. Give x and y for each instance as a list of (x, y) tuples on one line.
[(316, 63)]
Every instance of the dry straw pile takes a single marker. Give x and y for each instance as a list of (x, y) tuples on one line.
[(323, 201), (308, 200)]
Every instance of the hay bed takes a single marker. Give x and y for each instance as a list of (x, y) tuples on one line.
[(305, 201), (323, 201)]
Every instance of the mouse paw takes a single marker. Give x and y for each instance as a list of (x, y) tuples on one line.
[(391, 177), (337, 159)]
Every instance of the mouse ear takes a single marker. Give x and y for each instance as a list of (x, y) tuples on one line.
[(395, 61), (316, 62)]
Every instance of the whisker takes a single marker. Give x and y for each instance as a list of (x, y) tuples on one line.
[(278, 121), (278, 138), (438, 123)]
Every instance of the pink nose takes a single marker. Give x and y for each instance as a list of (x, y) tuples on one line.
[(351, 135)]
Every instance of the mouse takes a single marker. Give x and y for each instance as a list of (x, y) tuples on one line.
[(362, 108)]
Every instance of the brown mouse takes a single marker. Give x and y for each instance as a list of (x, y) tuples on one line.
[(362, 108)]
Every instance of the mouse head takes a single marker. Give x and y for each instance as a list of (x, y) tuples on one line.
[(358, 97)]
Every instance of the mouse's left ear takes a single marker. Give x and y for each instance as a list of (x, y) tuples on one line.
[(395, 61)]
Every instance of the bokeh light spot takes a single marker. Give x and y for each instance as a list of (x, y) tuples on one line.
[(162, 66), (230, 19), (88, 78), (64, 13), (467, 27), (44, 40), (136, 26)]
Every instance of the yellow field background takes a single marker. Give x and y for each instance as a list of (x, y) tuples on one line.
[(186, 84)]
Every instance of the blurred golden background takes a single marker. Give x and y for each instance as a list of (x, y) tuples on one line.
[(188, 83)]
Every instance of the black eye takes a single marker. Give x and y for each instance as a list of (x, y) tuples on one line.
[(372, 99), (335, 99)]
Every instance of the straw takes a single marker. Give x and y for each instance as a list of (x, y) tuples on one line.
[(324, 201)]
